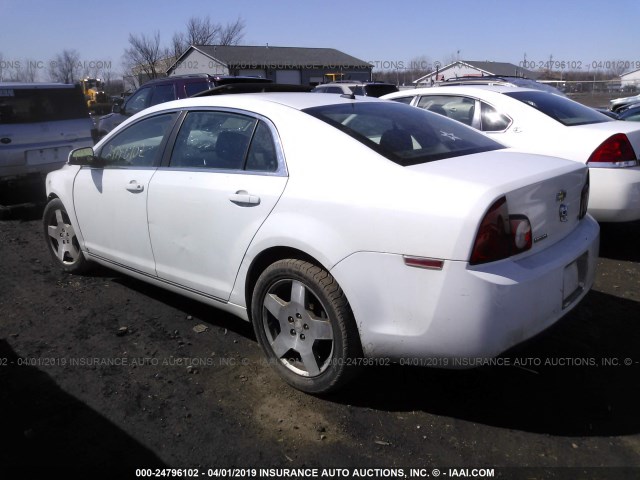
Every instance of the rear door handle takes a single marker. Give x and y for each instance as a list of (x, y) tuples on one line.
[(134, 186), (242, 197)]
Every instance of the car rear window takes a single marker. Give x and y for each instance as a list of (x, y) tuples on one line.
[(404, 134), (378, 90), (559, 108), (31, 105)]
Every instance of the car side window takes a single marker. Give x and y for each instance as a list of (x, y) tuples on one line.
[(332, 90), (456, 107), (139, 144), (163, 93), (138, 101), (492, 120), (197, 87), (218, 140), (262, 151), (406, 100)]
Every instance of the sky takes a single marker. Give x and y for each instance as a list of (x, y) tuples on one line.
[(387, 33)]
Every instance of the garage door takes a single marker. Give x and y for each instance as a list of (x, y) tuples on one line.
[(253, 73), (288, 76)]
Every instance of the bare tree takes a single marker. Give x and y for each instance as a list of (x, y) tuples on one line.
[(617, 68), (28, 72), (144, 54), (64, 68), (232, 33), (201, 31), (179, 45)]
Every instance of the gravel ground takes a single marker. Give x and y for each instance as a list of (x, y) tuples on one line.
[(103, 374)]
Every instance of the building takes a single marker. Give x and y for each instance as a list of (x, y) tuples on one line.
[(631, 80), (293, 65), (468, 68)]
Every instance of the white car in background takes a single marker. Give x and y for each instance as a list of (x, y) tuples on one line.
[(540, 122), (349, 231)]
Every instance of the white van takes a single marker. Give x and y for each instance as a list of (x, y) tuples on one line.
[(40, 123)]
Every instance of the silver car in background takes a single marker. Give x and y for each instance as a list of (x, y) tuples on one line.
[(40, 123)]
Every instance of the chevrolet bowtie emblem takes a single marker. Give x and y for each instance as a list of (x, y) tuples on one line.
[(561, 195)]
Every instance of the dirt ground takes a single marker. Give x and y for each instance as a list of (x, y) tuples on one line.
[(105, 374)]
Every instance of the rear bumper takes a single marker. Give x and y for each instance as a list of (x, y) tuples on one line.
[(461, 311), (615, 194)]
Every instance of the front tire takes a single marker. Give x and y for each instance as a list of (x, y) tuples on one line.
[(305, 326), (61, 238)]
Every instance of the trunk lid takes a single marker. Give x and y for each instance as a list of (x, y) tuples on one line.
[(546, 190)]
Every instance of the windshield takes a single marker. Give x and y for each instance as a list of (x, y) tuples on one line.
[(562, 109), (403, 134)]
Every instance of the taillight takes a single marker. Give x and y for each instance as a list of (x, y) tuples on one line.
[(584, 199), (615, 151), (520, 234), (500, 235)]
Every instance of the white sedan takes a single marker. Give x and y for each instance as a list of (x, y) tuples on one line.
[(349, 231), (540, 122)]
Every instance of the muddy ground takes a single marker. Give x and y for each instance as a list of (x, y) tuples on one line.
[(103, 374)]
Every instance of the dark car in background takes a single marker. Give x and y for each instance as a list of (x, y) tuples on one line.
[(164, 90), (366, 89), (630, 113)]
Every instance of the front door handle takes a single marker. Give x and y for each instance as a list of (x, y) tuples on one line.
[(134, 186), (242, 198)]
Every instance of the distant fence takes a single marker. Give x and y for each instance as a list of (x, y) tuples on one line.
[(594, 86)]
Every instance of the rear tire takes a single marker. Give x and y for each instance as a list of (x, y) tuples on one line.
[(305, 326)]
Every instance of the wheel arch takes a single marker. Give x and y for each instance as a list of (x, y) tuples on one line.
[(266, 258)]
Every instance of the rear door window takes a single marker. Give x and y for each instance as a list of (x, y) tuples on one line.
[(491, 120), (224, 141)]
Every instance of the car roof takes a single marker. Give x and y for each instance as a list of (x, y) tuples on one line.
[(248, 101), (471, 90)]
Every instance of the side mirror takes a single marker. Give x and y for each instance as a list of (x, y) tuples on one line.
[(117, 109), (82, 156)]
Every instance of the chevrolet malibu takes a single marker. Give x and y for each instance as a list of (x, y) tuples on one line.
[(347, 230)]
